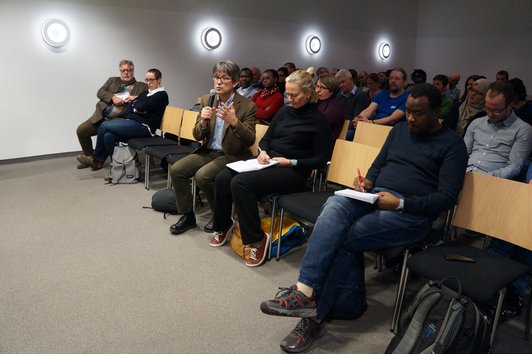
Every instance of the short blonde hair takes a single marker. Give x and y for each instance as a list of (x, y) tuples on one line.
[(304, 80)]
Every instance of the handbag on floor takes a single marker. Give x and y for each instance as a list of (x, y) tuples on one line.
[(125, 165)]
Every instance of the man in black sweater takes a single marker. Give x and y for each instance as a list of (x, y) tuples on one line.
[(418, 174)]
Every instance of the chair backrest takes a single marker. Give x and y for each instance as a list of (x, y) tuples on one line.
[(189, 121), (371, 134), (496, 207), (347, 157), (343, 132), (260, 130), (171, 121)]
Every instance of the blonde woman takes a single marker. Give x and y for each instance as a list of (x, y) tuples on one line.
[(298, 139)]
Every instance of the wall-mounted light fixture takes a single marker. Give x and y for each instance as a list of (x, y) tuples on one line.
[(384, 50), (313, 44), (211, 38), (55, 33)]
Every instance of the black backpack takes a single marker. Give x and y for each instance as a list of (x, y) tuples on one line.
[(441, 320)]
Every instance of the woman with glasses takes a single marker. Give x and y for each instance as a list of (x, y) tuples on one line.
[(329, 106), (142, 119)]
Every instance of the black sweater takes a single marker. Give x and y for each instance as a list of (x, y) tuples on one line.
[(427, 169), (301, 134), (152, 107)]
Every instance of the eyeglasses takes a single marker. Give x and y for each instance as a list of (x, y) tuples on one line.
[(222, 79), (149, 79), (495, 112), (126, 70), (322, 87)]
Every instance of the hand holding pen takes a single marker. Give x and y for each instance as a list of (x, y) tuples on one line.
[(362, 184), (263, 157)]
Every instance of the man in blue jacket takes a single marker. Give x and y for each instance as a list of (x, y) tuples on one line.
[(418, 174)]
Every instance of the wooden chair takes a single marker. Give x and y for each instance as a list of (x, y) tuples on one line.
[(260, 130), (371, 134), (170, 123), (343, 132), (493, 206)]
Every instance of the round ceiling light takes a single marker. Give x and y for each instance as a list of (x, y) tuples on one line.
[(55, 33), (211, 38), (313, 45), (384, 50)]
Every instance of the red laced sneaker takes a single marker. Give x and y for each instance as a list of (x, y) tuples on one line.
[(257, 255)]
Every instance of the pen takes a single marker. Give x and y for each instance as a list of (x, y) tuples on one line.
[(360, 179)]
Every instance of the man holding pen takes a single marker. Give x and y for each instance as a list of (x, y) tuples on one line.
[(418, 174)]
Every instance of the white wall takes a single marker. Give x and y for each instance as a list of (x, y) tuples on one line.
[(46, 94), (475, 37)]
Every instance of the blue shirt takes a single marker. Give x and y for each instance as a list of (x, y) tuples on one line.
[(388, 105), (217, 137), (500, 149)]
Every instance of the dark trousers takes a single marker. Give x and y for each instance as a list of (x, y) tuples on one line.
[(245, 190), (85, 131)]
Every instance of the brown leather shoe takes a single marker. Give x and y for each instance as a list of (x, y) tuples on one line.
[(257, 256), (219, 238), (84, 161), (97, 165)]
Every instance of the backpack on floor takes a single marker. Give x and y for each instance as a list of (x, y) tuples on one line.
[(441, 320), (292, 235), (164, 201), (125, 165)]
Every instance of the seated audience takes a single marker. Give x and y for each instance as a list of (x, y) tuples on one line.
[(388, 106), (467, 86), (322, 71), (330, 106), (471, 109), (502, 76), (442, 84), (361, 80), (142, 119), (114, 96), (256, 76), (283, 73), (454, 92), (383, 80), (372, 83), (227, 130), (520, 105), (298, 139), (499, 143), (353, 99), (418, 76), (291, 67), (244, 84), (269, 99), (418, 174)]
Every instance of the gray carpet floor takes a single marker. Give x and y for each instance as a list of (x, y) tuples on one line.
[(85, 269)]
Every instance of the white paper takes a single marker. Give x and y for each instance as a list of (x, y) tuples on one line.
[(250, 165), (365, 197)]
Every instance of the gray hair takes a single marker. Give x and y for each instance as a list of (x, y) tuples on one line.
[(126, 62), (343, 73), (227, 67)]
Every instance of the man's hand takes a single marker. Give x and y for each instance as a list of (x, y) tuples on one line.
[(117, 101), (362, 184), (263, 158), (205, 116), (227, 113), (387, 201)]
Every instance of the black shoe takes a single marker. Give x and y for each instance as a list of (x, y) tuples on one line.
[(186, 222), (209, 228), (511, 306), (302, 337), (290, 302)]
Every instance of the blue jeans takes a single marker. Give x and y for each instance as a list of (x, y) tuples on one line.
[(518, 254), (356, 227), (112, 131)]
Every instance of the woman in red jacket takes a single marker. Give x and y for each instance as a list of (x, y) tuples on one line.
[(269, 99)]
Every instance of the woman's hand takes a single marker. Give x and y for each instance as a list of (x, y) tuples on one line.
[(282, 161), (263, 158)]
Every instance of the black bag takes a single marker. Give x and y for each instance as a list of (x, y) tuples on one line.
[(164, 201), (441, 320)]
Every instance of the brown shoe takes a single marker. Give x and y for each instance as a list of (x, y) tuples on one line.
[(219, 238), (97, 165), (257, 256), (84, 161)]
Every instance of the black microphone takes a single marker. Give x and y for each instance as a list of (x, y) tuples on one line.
[(211, 99)]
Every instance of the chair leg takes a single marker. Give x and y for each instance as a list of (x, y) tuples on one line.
[(168, 180), (527, 316), (399, 297), (147, 172), (281, 220), (193, 194), (500, 300)]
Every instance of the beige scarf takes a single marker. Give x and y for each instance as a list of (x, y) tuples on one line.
[(469, 110)]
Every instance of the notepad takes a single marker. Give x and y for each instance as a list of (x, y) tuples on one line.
[(365, 197), (250, 165)]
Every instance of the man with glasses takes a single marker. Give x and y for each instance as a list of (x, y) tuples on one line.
[(499, 143), (114, 96), (226, 125)]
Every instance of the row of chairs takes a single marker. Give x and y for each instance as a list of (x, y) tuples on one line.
[(492, 206)]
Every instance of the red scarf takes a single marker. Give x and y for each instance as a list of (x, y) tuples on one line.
[(264, 94)]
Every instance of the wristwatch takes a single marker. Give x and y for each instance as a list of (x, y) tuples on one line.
[(401, 205)]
